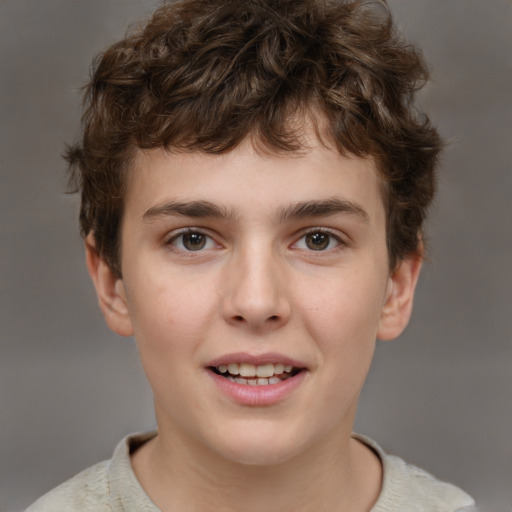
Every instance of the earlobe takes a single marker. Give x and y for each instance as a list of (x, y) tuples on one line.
[(397, 308), (109, 289)]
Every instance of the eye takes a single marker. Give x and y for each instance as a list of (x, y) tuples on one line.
[(318, 241), (192, 241)]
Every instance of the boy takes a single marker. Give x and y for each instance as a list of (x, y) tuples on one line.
[(254, 179)]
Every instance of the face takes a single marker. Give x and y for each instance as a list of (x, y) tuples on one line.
[(255, 287)]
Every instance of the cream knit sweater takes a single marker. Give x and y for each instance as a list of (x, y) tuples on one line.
[(111, 486)]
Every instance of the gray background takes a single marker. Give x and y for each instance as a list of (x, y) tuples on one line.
[(440, 396)]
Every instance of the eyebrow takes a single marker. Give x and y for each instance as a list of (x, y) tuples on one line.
[(296, 211), (195, 209), (323, 208)]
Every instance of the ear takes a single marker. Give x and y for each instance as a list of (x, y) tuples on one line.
[(109, 289), (397, 308)]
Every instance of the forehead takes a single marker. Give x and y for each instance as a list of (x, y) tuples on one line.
[(246, 180)]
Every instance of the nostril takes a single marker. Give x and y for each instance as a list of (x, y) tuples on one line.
[(240, 318)]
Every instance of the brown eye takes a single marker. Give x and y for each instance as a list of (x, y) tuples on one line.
[(317, 241), (194, 241)]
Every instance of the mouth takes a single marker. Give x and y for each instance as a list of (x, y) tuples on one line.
[(256, 375), (257, 380)]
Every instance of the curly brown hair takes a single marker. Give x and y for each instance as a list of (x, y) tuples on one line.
[(203, 75)]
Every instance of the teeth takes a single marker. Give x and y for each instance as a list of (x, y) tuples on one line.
[(233, 368), (247, 370), (278, 369), (267, 370), (257, 382), (262, 375)]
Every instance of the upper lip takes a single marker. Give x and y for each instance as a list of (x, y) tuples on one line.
[(256, 360)]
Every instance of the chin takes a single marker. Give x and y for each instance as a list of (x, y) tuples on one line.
[(259, 456), (255, 446)]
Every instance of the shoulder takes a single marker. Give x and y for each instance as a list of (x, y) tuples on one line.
[(86, 491), (110, 486), (420, 491), (407, 487)]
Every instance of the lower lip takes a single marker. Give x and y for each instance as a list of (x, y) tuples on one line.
[(269, 394)]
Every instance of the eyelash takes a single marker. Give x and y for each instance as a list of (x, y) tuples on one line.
[(340, 243), (188, 231), (208, 240)]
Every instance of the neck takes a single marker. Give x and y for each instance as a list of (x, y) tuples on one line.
[(180, 475)]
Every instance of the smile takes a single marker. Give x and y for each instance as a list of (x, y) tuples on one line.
[(255, 375), (257, 380)]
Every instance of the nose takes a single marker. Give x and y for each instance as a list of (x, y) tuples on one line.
[(255, 291)]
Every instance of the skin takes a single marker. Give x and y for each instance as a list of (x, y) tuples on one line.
[(260, 284)]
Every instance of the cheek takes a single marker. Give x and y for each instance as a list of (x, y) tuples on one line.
[(343, 312), (169, 327), (342, 318), (169, 318)]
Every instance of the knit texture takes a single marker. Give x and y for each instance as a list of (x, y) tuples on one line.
[(111, 486)]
